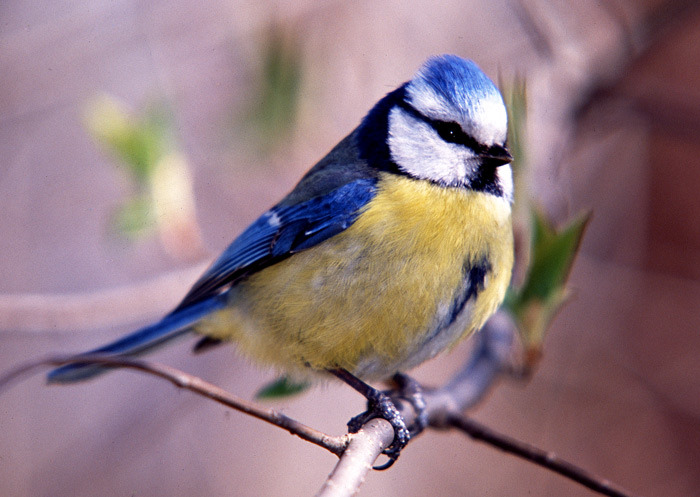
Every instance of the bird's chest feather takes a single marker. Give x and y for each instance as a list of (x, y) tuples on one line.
[(420, 267)]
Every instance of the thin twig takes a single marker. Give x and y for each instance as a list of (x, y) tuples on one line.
[(548, 460), (180, 379)]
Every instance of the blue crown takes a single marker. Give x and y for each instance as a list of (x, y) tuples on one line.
[(458, 81)]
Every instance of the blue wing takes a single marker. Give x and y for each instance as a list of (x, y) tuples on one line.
[(139, 342), (279, 233)]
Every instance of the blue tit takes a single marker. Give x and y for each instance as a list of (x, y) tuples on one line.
[(393, 247)]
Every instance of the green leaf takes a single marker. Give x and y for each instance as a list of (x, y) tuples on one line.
[(553, 254), (146, 147), (282, 387), (535, 304)]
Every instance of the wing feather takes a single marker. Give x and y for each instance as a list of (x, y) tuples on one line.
[(279, 233)]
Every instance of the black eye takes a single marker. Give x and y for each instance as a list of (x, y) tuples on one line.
[(452, 132)]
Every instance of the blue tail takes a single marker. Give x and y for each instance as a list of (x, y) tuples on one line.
[(144, 340)]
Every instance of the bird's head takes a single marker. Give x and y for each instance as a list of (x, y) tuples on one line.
[(447, 125)]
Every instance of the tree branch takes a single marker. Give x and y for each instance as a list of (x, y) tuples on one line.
[(535, 30), (548, 460), (180, 379), (490, 360), (359, 456)]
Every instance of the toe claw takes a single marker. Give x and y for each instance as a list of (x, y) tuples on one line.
[(381, 406)]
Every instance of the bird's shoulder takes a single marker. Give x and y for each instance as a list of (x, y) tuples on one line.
[(342, 165)]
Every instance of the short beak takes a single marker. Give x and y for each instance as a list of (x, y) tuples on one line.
[(496, 155)]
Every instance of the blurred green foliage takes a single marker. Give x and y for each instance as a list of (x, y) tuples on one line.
[(277, 89), (135, 217), (139, 141), (553, 253), (281, 387), (515, 97), (145, 145)]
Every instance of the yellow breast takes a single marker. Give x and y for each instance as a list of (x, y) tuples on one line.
[(378, 297)]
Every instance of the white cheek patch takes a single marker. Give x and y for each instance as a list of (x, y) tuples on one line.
[(420, 152), (505, 180)]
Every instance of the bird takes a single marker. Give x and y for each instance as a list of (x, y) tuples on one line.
[(393, 247)]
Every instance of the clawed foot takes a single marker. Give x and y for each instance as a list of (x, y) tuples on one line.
[(380, 405)]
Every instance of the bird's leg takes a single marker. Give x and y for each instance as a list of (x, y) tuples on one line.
[(410, 390), (379, 405)]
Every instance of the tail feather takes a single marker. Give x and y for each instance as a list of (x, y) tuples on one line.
[(141, 341)]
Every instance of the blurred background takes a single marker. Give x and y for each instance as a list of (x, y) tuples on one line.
[(212, 110)]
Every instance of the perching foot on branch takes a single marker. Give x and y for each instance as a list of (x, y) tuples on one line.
[(379, 405)]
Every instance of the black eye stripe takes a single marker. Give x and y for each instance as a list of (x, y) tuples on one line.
[(453, 133), (449, 131)]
